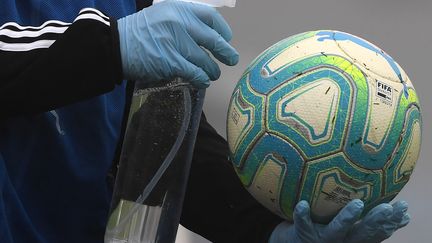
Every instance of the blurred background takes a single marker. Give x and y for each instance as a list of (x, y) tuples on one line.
[(402, 28)]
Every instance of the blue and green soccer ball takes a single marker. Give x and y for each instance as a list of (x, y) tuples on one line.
[(327, 117)]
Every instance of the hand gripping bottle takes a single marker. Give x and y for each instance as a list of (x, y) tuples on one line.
[(155, 159)]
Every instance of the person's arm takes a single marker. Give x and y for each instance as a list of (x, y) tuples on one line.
[(57, 63), (216, 205)]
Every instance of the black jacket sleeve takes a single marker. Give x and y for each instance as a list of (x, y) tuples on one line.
[(216, 205), (56, 64)]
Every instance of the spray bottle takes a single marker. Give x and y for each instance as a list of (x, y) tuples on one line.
[(155, 159)]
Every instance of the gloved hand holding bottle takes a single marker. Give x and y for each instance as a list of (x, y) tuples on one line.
[(165, 41), (379, 224)]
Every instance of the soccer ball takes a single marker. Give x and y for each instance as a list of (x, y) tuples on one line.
[(326, 117)]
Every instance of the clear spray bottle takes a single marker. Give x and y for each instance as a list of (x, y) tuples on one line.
[(154, 163), (155, 159)]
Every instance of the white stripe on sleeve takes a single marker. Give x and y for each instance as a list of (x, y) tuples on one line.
[(11, 33), (95, 11), (92, 16), (30, 33), (26, 46), (49, 22)]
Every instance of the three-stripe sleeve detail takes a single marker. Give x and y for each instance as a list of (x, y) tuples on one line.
[(16, 38)]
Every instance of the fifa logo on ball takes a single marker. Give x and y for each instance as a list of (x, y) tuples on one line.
[(385, 92)]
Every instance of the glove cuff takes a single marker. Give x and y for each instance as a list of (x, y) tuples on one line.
[(122, 27)]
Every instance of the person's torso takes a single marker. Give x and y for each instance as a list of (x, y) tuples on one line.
[(53, 165)]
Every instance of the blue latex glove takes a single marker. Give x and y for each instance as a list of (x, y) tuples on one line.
[(165, 41), (379, 224)]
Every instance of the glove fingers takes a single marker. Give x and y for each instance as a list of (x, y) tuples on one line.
[(190, 72), (399, 210), (303, 225), (344, 221), (405, 221), (375, 226), (216, 44), (196, 55), (211, 17), (203, 60), (400, 217)]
